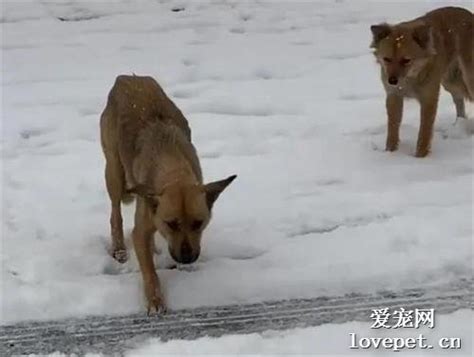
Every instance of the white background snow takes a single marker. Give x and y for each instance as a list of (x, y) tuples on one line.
[(285, 94)]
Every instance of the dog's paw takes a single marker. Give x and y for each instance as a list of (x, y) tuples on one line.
[(391, 144), (391, 147), (120, 255), (421, 153), (155, 300), (156, 305)]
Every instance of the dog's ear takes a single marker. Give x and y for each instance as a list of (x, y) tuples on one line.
[(148, 194), (214, 189), (379, 32), (423, 36)]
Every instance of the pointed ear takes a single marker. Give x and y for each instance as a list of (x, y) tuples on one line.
[(422, 36), (379, 32), (214, 189), (146, 193)]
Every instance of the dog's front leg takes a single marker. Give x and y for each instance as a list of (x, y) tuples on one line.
[(142, 236), (141, 241), (394, 106), (429, 106)]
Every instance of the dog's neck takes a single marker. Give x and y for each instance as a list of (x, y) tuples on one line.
[(173, 170)]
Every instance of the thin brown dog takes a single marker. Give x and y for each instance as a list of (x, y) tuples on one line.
[(147, 145), (418, 56)]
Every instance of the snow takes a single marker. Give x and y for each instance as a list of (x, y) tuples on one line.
[(329, 339), (285, 95)]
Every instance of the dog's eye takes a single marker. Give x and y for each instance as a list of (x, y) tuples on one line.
[(405, 61), (196, 225), (386, 59), (173, 225)]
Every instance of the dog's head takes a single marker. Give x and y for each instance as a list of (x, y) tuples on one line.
[(402, 50), (180, 212)]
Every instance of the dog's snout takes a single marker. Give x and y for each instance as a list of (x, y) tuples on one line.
[(393, 80), (186, 254), (188, 258)]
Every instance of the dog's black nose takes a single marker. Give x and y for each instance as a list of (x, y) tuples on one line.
[(187, 255), (188, 259), (392, 80)]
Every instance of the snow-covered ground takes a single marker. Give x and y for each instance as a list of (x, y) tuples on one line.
[(284, 94), (330, 339)]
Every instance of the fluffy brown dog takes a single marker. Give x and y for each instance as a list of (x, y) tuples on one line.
[(416, 57), (147, 145)]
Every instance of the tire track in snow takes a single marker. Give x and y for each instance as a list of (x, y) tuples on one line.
[(115, 334)]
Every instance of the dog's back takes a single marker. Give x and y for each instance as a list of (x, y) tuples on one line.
[(135, 106), (455, 26), (136, 102)]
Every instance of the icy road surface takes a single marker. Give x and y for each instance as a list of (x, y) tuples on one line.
[(284, 94), (118, 334)]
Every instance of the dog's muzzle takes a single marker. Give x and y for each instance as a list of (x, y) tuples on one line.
[(392, 80), (186, 254)]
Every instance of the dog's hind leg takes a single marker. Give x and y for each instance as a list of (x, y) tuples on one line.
[(468, 76), (126, 151), (466, 61), (114, 178), (454, 84), (460, 107)]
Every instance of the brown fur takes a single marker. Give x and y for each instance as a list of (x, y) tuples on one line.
[(147, 146), (417, 57)]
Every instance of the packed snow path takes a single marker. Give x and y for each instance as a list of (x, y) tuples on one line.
[(117, 334)]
